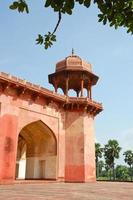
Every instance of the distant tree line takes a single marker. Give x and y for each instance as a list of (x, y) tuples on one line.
[(106, 168)]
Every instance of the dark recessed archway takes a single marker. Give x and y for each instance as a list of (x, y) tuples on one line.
[(36, 152)]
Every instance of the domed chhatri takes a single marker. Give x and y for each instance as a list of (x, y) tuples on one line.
[(73, 62), (73, 73)]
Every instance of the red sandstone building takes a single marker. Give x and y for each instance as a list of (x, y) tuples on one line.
[(45, 135)]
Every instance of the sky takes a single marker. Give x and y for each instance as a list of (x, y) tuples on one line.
[(109, 51)]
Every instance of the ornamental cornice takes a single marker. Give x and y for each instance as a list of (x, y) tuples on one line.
[(22, 87)]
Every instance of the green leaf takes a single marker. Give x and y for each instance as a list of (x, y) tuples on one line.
[(49, 39), (53, 38), (27, 9), (39, 40), (20, 5), (46, 45), (72, 4), (56, 9), (69, 11), (21, 8), (14, 5), (112, 23), (87, 3), (80, 1), (101, 16), (48, 3), (105, 20)]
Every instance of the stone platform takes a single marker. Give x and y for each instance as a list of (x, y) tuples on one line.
[(67, 191)]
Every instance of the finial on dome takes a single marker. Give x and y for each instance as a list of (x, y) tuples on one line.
[(72, 51)]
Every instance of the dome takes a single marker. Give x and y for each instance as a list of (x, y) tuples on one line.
[(73, 62)]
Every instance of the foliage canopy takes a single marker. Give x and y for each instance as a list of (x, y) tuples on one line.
[(98, 151), (116, 13), (111, 151), (128, 157)]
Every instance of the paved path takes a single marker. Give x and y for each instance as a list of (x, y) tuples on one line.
[(67, 191)]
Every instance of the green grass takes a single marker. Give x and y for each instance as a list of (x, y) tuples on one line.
[(108, 179)]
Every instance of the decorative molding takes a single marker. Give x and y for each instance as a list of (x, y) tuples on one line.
[(54, 100)]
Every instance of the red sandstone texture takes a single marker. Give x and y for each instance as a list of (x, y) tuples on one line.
[(26, 107)]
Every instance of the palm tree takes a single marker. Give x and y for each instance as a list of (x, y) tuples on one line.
[(111, 152), (107, 167), (129, 160), (98, 154), (100, 166)]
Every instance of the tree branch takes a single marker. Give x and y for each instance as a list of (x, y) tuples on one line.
[(59, 20)]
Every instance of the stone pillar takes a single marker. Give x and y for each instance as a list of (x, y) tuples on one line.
[(74, 162), (2, 141), (89, 91), (80, 148), (55, 86), (67, 85), (89, 149), (82, 87), (77, 92), (8, 143), (61, 150)]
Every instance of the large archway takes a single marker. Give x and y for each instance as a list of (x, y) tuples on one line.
[(36, 152)]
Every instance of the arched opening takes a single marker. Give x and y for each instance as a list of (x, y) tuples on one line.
[(60, 91), (36, 152), (72, 93), (85, 92)]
